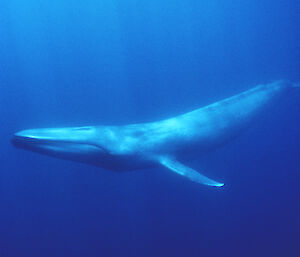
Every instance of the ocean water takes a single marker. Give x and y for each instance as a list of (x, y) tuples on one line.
[(73, 63)]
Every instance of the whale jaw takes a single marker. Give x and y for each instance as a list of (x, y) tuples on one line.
[(67, 143)]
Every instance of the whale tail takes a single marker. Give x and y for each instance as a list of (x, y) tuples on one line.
[(286, 83)]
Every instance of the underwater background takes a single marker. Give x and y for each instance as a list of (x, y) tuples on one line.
[(73, 63)]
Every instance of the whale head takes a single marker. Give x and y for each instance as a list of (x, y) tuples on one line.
[(68, 143)]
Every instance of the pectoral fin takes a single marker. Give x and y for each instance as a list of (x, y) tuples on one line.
[(188, 172)]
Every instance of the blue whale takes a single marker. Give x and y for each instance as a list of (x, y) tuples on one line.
[(162, 143)]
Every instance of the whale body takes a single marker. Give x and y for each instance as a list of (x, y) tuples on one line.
[(161, 143)]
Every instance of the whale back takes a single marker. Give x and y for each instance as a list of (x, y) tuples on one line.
[(202, 128)]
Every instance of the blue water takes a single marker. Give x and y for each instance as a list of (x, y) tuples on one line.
[(72, 63)]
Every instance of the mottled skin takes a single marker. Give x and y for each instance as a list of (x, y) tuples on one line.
[(140, 146)]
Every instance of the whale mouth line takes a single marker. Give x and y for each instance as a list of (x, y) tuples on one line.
[(32, 142)]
